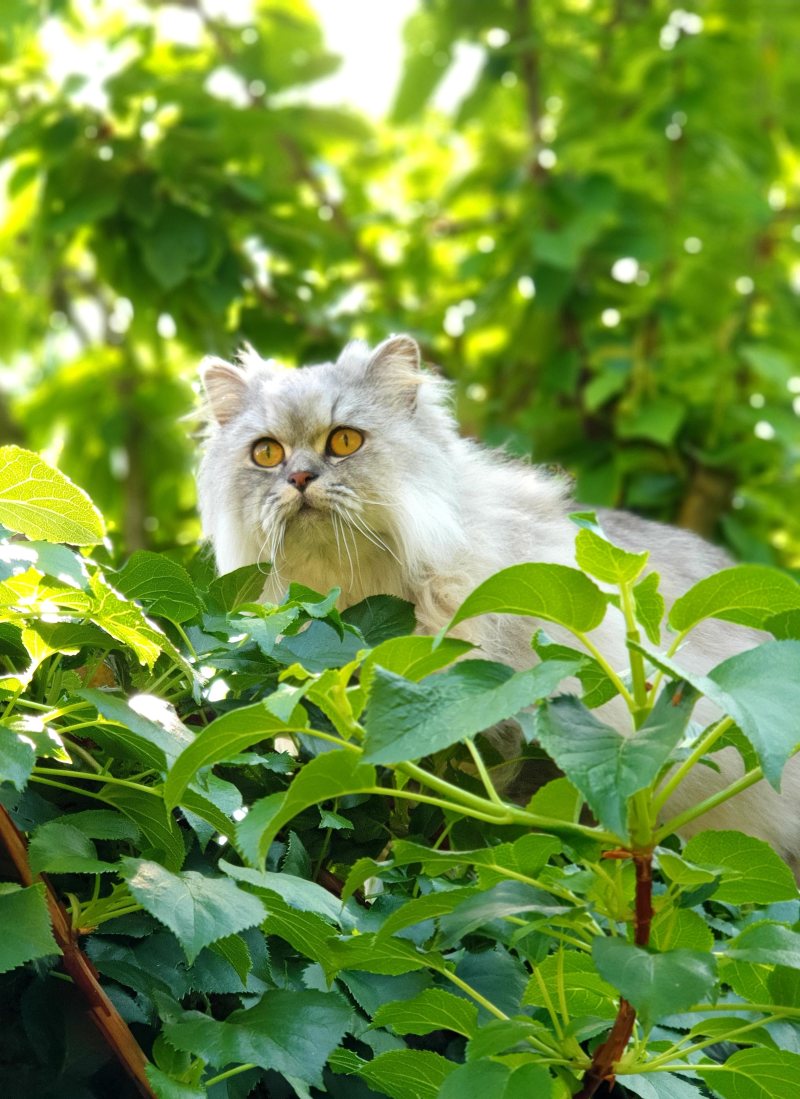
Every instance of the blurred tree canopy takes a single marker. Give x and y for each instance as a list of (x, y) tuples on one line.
[(600, 243)]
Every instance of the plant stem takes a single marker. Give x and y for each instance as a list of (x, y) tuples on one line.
[(488, 785), (612, 675), (673, 825), (66, 773), (227, 1075), (704, 744)]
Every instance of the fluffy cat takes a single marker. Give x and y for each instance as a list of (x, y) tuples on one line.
[(353, 474)]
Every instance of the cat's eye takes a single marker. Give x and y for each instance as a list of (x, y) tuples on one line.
[(344, 441), (267, 453)]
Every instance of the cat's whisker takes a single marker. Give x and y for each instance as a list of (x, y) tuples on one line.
[(347, 519), (336, 515), (362, 525)]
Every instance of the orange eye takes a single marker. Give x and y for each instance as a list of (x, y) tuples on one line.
[(267, 453), (344, 441)]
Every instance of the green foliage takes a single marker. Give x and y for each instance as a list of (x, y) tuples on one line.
[(308, 880), (596, 239)]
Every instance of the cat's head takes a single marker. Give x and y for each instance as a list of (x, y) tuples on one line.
[(300, 457)]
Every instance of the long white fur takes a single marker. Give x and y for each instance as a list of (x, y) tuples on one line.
[(422, 513)]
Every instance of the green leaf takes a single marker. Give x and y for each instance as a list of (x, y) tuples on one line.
[(491, 1080), (746, 594), (406, 720), (330, 775), (49, 558), (755, 1074), (40, 502), (657, 420), (760, 690), (606, 767), (223, 738), (150, 815), (17, 757), (166, 1087), (649, 604), (600, 558), (381, 617), (59, 848), (412, 657), (243, 585), (433, 1009), (573, 977), (374, 955), (175, 246), (289, 1031), (752, 870), (556, 593), (407, 1073), (298, 893), (163, 586), (235, 951), (158, 742), (507, 898), (767, 944), (656, 984), (125, 622), (196, 908), (25, 920)]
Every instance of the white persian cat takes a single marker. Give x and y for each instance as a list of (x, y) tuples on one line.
[(353, 474)]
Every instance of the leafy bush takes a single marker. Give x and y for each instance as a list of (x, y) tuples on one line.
[(274, 834)]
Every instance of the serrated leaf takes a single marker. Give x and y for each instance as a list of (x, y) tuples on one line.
[(330, 775), (407, 720), (555, 593), (150, 815), (407, 1073), (381, 617), (507, 898), (606, 767), (746, 594), (289, 1031), (243, 585), (373, 955), (25, 920), (125, 622), (656, 984), (433, 1009), (59, 848), (169, 737), (649, 606), (766, 944), (234, 950), (17, 757), (573, 977), (163, 586), (225, 737), (754, 1074), (40, 502), (196, 908), (605, 561)]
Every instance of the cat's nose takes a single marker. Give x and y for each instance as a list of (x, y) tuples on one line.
[(302, 478)]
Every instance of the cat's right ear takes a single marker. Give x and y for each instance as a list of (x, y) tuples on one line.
[(225, 386)]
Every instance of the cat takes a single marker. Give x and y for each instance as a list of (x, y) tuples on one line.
[(353, 474)]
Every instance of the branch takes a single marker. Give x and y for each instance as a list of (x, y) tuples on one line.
[(606, 1055), (101, 1011)]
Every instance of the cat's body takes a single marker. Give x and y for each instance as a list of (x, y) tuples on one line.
[(417, 511)]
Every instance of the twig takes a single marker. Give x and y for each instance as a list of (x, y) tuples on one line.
[(101, 1011)]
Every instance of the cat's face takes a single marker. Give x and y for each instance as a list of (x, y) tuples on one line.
[(315, 456)]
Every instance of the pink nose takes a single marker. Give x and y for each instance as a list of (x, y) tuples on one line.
[(301, 479)]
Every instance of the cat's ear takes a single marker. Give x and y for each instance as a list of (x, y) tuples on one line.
[(225, 386), (396, 362)]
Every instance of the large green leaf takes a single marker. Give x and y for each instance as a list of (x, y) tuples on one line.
[(198, 909), (40, 502), (600, 558), (752, 872), (163, 586), (484, 1079), (606, 767), (407, 1073), (755, 1074), (330, 775), (289, 1031), (224, 738), (25, 920), (767, 944), (57, 847), (555, 593), (433, 1009), (746, 594), (406, 720), (760, 690), (656, 984)]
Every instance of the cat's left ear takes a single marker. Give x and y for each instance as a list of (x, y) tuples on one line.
[(396, 362), (225, 386)]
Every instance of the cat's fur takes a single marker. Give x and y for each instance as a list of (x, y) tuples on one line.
[(424, 514)]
